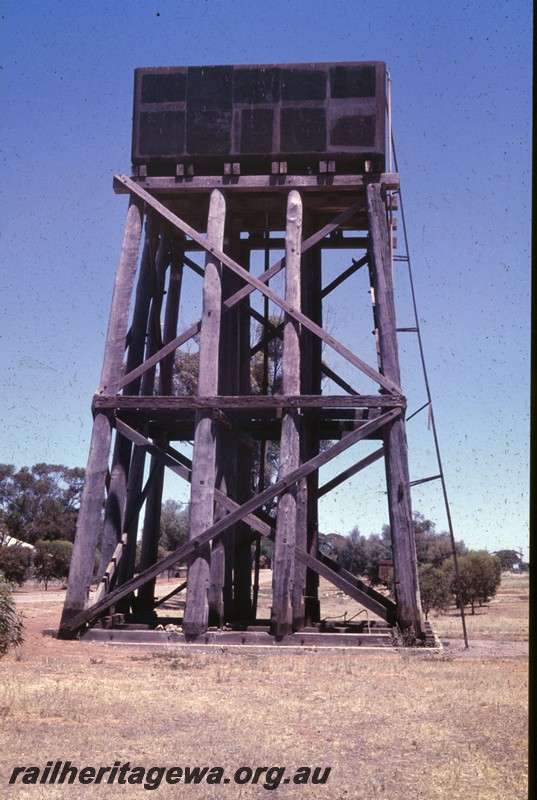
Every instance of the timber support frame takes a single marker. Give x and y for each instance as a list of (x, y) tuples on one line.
[(137, 404), (249, 184)]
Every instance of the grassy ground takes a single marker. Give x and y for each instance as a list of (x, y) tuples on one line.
[(502, 619), (392, 725)]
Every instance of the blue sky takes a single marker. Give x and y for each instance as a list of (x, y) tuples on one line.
[(462, 79)]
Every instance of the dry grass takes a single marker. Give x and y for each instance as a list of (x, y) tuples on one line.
[(391, 726)]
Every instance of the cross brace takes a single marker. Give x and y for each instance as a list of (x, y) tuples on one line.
[(237, 513), (232, 301), (256, 283)]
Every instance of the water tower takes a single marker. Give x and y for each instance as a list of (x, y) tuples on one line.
[(266, 170)]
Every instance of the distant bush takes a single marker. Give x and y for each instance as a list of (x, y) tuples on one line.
[(363, 555), (435, 588), (52, 559), (40, 502), (15, 561), (510, 560), (480, 576), (353, 555), (11, 623)]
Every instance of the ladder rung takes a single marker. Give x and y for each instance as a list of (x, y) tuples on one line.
[(425, 480), (418, 410)]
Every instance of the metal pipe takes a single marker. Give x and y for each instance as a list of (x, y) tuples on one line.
[(389, 106)]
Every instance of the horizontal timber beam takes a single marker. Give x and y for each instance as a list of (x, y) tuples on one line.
[(329, 243), (260, 183), (254, 401)]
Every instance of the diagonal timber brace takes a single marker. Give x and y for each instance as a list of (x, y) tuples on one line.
[(244, 512), (348, 473)]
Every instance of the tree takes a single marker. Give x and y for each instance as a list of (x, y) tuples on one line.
[(362, 555), (173, 525), (185, 372), (52, 559), (353, 555), (40, 502), (435, 588), (432, 547), (378, 548), (11, 623), (15, 561), (480, 576), (439, 549), (424, 532), (266, 550), (509, 559), (266, 377)]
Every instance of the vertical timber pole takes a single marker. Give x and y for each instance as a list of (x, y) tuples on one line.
[(138, 460), (409, 613), (153, 505), (89, 515), (156, 255), (231, 574), (286, 524), (242, 556), (307, 581), (220, 595), (203, 463), (114, 513)]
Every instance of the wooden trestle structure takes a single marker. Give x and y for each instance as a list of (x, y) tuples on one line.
[(140, 423)]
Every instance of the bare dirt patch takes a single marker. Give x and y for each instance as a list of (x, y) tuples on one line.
[(499, 629)]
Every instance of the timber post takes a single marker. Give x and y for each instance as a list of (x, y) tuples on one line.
[(114, 512), (283, 574), (409, 615), (311, 383), (93, 493), (204, 461)]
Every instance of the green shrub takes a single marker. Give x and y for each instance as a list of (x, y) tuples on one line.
[(15, 561), (52, 559), (435, 588), (480, 576), (11, 623)]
